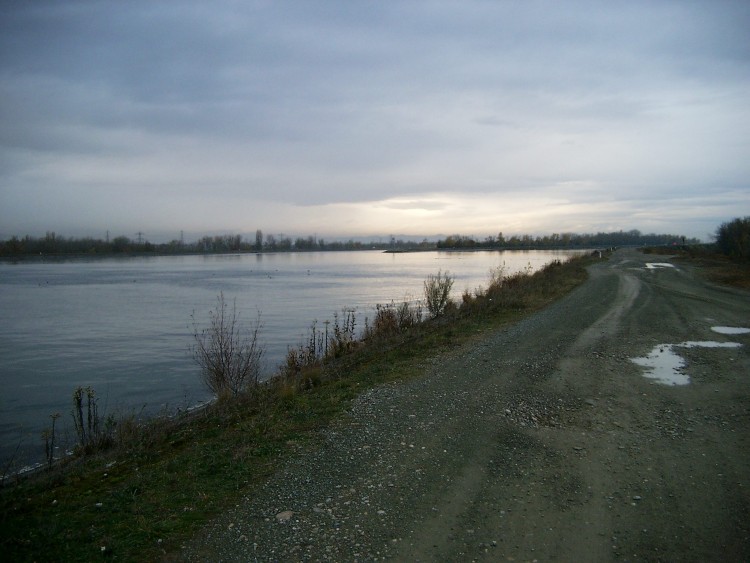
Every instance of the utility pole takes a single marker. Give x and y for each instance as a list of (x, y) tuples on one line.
[(140, 237), (107, 236)]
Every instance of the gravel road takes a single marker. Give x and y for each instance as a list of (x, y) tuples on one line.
[(543, 441)]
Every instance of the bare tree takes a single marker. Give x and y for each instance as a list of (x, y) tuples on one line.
[(228, 353)]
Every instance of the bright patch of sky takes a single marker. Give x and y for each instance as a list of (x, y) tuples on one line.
[(369, 118)]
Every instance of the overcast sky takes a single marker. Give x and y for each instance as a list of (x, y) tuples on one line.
[(344, 117)]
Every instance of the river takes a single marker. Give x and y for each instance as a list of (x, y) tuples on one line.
[(123, 325)]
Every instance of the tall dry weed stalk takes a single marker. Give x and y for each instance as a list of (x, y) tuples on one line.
[(49, 436), (93, 431)]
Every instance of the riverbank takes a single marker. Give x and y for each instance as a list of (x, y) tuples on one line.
[(167, 479), (94, 314), (542, 440)]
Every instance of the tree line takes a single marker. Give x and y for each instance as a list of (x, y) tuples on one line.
[(732, 239), (565, 240), (53, 244)]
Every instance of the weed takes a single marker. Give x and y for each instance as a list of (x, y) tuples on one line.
[(9, 465), (409, 314), (308, 354), (344, 334), (49, 441), (94, 433), (319, 348)]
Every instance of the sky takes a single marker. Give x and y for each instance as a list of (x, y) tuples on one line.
[(370, 118)]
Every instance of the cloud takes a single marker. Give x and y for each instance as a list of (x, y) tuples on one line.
[(436, 114)]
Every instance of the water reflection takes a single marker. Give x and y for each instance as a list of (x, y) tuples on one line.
[(730, 330), (658, 265), (123, 325), (664, 365)]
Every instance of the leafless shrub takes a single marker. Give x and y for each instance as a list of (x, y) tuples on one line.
[(228, 353), (437, 291), (408, 314)]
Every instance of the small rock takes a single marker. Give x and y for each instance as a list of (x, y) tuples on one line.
[(284, 516)]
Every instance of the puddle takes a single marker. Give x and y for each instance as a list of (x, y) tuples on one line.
[(664, 365), (655, 265), (708, 344), (730, 329)]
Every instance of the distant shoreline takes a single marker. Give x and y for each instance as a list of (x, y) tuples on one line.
[(61, 257)]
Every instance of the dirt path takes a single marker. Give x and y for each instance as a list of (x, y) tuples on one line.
[(542, 442)]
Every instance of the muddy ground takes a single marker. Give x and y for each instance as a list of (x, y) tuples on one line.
[(542, 441)]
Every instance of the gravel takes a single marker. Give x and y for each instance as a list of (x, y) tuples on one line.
[(539, 440)]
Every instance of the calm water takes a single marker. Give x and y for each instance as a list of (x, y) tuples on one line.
[(123, 326)]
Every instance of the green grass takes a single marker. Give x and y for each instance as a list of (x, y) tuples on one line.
[(143, 499)]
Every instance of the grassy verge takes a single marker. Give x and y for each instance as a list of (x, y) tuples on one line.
[(143, 499), (710, 264)]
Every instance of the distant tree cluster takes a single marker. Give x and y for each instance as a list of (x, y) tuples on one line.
[(564, 240), (733, 238), (54, 245)]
